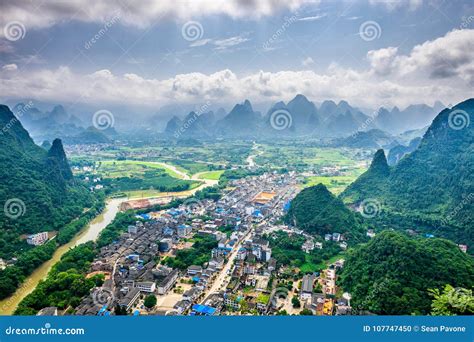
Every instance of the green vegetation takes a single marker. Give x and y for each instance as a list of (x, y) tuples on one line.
[(335, 184), (295, 302), (212, 175), (306, 312), (287, 251), (150, 301), (430, 189), (156, 179), (116, 228), (317, 211), (238, 174), (192, 167), (38, 186), (48, 198), (392, 274), (211, 192), (198, 254), (452, 301), (66, 283), (131, 168)]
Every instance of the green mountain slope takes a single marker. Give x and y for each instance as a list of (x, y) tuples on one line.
[(392, 273), (432, 189), (317, 210), (37, 191)]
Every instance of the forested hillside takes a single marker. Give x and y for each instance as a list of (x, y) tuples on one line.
[(392, 273), (432, 188)]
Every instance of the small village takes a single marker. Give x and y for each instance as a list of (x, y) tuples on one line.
[(240, 276)]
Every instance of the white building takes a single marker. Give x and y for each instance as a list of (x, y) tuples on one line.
[(37, 239)]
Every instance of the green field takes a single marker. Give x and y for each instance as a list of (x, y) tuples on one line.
[(335, 184), (131, 168), (212, 175)]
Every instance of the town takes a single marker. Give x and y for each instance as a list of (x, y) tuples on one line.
[(232, 271)]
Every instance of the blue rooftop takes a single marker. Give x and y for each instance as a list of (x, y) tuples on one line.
[(204, 309)]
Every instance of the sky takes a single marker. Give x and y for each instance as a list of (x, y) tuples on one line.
[(157, 53)]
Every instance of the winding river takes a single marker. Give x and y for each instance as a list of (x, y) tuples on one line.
[(89, 233)]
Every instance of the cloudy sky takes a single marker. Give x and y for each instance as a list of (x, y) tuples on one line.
[(155, 53)]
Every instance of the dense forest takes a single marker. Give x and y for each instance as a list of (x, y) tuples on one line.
[(316, 210), (66, 283), (393, 274), (44, 196), (432, 188)]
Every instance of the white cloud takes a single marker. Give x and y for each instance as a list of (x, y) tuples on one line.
[(229, 42), (10, 67), (307, 62), (396, 4), (221, 44), (313, 18), (391, 79), (200, 42), (446, 57), (135, 13)]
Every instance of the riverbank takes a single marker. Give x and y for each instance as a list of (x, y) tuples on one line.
[(89, 233)]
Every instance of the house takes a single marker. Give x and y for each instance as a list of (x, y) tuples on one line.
[(232, 301), (37, 239), (336, 237), (132, 229), (182, 306), (272, 264), (343, 245), (308, 246), (307, 287), (48, 311), (146, 286), (217, 263), (192, 294), (130, 299), (328, 237), (183, 230), (370, 233), (463, 248), (194, 269), (166, 284), (318, 245)]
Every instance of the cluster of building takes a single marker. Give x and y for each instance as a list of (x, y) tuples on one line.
[(324, 301), (240, 260)]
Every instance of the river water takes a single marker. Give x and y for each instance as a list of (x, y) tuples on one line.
[(90, 233)]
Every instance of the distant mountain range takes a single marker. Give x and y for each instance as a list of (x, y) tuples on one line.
[(47, 125), (301, 117)]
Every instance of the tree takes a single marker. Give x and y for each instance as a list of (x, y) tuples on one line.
[(150, 301), (306, 312), (120, 310), (452, 301), (295, 302)]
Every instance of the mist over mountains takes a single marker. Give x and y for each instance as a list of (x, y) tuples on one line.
[(299, 117)]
